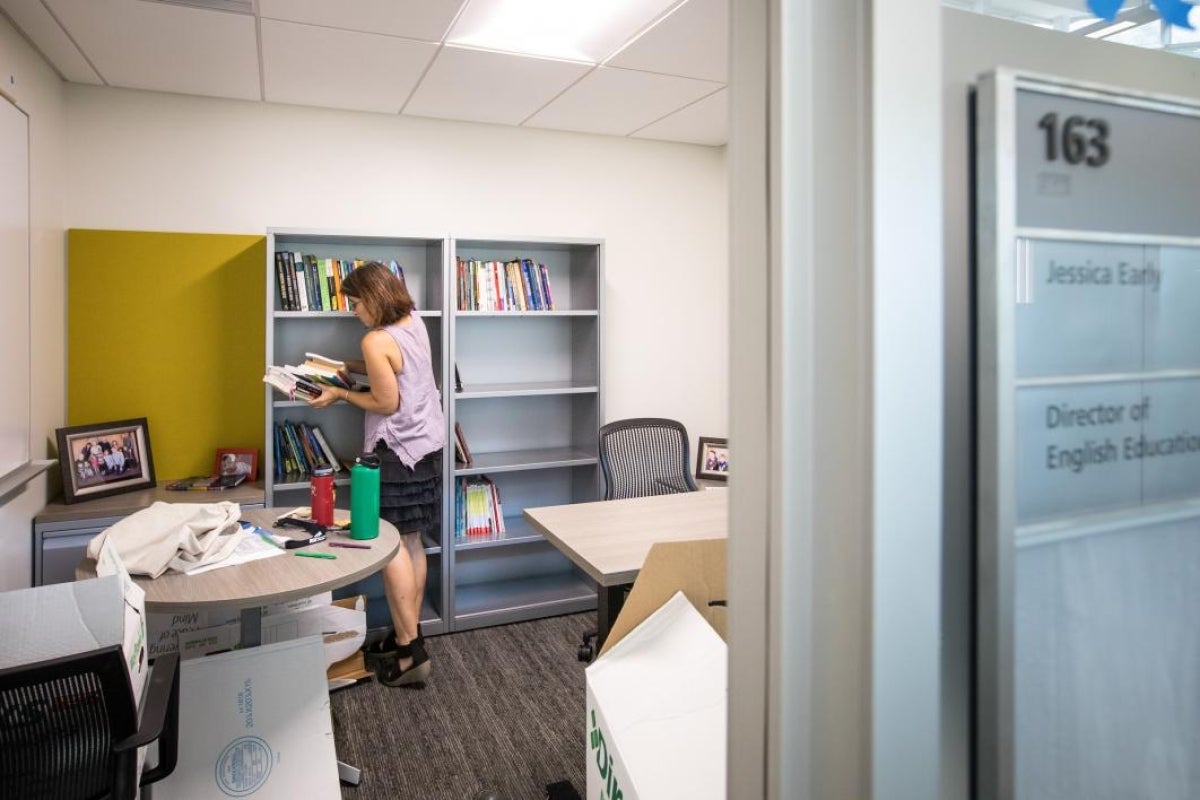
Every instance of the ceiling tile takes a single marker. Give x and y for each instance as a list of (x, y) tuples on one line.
[(166, 48), (705, 121), (693, 41), (315, 66), (427, 20), (579, 30), (490, 87), (619, 101), (49, 38)]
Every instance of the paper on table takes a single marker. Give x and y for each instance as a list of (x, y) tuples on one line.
[(250, 548)]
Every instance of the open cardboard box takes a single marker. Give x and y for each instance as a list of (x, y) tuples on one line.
[(342, 625), (656, 694)]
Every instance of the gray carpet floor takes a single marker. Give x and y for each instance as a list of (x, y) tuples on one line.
[(503, 710)]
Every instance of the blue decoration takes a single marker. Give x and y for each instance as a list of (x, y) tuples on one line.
[(1174, 12), (1105, 9)]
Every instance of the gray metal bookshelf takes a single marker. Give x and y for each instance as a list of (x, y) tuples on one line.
[(290, 334), (530, 409)]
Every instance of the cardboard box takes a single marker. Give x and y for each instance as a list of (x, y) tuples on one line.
[(208, 630), (255, 723), (342, 624), (657, 693), (63, 619)]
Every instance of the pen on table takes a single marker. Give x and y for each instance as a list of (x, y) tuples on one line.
[(350, 544), (309, 554)]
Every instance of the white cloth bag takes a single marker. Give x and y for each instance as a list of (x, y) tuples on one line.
[(177, 536)]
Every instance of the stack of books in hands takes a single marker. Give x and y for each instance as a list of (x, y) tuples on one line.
[(304, 382)]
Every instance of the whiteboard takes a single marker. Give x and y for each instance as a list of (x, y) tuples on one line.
[(15, 297)]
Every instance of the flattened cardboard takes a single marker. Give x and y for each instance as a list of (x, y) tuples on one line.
[(255, 723), (696, 568)]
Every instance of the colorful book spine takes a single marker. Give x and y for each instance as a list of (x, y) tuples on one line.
[(545, 273)]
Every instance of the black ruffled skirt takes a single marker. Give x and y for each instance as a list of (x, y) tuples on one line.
[(411, 499)]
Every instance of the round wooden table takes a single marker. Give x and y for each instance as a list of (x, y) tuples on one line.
[(265, 581)]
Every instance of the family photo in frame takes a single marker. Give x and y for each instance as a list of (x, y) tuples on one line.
[(712, 459), (104, 459), (236, 461)]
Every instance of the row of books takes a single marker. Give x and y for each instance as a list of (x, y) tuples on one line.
[(301, 448), (477, 510), (515, 285), (308, 283), (304, 382)]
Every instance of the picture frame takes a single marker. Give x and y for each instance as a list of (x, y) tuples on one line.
[(236, 461), (104, 459), (712, 459)]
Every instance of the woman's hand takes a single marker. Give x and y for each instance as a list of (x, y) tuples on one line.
[(329, 395)]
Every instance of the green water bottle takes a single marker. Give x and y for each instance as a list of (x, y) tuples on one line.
[(364, 497)]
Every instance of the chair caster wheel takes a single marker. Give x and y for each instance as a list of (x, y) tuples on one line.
[(585, 652)]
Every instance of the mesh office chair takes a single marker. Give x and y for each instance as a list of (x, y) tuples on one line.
[(645, 456), (641, 457), (69, 727)]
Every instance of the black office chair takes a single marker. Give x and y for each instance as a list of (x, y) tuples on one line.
[(641, 457), (69, 727)]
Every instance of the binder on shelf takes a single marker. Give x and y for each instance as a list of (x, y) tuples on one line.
[(462, 453)]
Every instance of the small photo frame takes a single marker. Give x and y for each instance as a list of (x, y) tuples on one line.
[(105, 459), (712, 459), (236, 461)]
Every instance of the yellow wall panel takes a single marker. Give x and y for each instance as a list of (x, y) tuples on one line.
[(168, 326)]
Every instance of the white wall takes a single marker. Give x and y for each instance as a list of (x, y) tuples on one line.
[(148, 161), (38, 91), (974, 44)]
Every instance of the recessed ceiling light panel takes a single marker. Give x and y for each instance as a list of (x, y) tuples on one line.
[(235, 6), (572, 30)]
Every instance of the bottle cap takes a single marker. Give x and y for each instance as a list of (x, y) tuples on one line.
[(368, 460), (321, 472)]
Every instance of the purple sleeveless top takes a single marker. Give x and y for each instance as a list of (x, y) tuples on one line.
[(418, 427)]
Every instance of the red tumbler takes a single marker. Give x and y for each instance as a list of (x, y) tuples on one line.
[(323, 493)]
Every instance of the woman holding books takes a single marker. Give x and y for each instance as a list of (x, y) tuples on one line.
[(404, 426)]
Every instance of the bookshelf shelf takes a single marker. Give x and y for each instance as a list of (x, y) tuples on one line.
[(527, 314), (487, 390), (284, 315), (299, 483), (515, 460), (506, 539), (503, 601)]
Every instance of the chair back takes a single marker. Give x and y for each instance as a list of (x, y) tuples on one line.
[(59, 720), (645, 456), (69, 727)]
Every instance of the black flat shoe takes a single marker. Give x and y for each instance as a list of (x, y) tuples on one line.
[(389, 672)]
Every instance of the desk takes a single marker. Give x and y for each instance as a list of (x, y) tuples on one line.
[(609, 540), (276, 579), (61, 532)]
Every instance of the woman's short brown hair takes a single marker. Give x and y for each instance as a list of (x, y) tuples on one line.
[(386, 295)]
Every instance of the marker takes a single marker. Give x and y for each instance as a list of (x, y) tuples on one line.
[(350, 544), (307, 554)]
